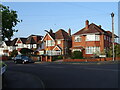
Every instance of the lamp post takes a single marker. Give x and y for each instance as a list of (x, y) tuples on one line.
[(112, 15)]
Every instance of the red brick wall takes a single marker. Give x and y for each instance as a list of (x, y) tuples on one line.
[(92, 59)]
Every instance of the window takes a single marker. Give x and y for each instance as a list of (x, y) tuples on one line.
[(34, 46), (50, 43), (77, 39), (91, 50), (104, 37), (58, 41), (97, 37), (93, 37)]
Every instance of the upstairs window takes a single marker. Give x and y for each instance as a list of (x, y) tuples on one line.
[(97, 37), (50, 43), (77, 39), (93, 37), (104, 37), (58, 41)]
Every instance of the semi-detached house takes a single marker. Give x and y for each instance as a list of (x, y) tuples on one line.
[(91, 39)]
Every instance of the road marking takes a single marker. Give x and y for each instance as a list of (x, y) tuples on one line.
[(114, 70)]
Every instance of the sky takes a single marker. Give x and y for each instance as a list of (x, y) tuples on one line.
[(40, 16)]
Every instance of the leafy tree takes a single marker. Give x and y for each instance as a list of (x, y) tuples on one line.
[(14, 53), (26, 51), (9, 21), (116, 51)]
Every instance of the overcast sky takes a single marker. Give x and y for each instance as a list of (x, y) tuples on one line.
[(40, 16)]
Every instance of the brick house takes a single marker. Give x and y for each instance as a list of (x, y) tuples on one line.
[(31, 42), (57, 43), (91, 39)]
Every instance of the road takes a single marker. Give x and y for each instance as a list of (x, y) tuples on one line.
[(55, 75)]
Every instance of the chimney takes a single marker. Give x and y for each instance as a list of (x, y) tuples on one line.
[(86, 24), (99, 26), (69, 32), (35, 38), (51, 31)]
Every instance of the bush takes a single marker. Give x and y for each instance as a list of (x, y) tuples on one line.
[(77, 55), (60, 57), (14, 53)]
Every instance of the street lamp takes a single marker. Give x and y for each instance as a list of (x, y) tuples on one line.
[(112, 15)]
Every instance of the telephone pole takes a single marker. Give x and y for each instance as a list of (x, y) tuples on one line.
[(112, 15)]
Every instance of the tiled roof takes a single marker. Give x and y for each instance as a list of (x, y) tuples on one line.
[(13, 42), (30, 40), (110, 34), (23, 40), (61, 34), (8, 43), (91, 29)]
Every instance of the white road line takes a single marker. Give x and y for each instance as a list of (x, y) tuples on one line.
[(114, 70)]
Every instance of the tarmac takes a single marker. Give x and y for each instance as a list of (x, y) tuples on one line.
[(29, 81)]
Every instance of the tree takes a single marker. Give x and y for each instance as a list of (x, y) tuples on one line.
[(26, 51), (14, 53), (116, 50), (9, 21)]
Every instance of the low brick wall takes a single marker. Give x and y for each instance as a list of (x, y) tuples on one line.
[(4, 58), (91, 60), (35, 58)]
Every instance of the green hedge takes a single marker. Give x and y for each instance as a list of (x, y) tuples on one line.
[(77, 55)]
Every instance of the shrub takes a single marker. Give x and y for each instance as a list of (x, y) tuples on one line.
[(77, 55), (14, 53), (60, 57)]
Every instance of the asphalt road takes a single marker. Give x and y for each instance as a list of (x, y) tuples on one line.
[(55, 75)]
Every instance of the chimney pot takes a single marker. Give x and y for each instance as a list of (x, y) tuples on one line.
[(87, 24), (100, 26), (69, 32), (51, 31)]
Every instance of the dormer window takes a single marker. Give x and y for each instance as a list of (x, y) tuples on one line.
[(77, 39)]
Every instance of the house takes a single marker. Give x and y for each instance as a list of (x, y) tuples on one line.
[(31, 42), (91, 39), (57, 43)]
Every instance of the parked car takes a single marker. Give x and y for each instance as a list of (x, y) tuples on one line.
[(22, 59)]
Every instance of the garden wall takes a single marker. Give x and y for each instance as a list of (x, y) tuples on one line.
[(91, 59)]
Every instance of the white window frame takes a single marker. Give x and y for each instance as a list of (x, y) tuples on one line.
[(34, 46), (91, 50), (77, 39), (50, 43), (58, 41), (97, 37)]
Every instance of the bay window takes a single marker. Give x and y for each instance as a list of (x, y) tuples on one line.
[(91, 50)]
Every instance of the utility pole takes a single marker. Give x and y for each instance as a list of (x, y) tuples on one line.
[(112, 15)]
